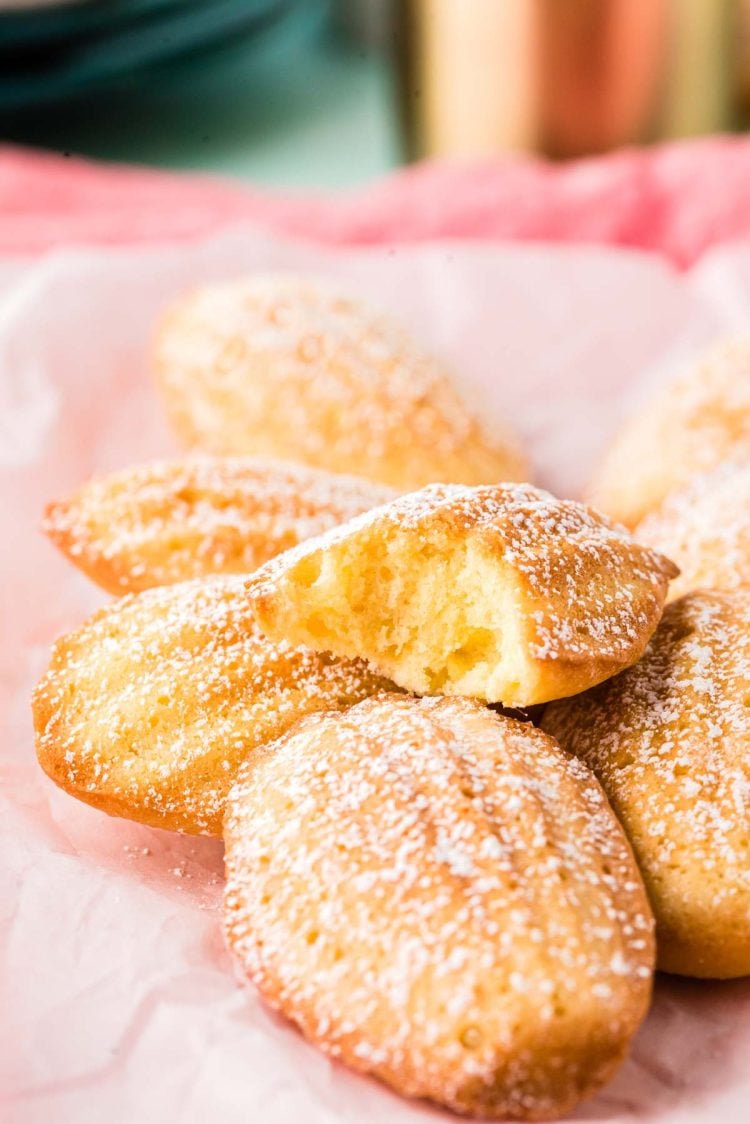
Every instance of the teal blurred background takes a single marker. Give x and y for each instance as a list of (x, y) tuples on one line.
[(290, 95)]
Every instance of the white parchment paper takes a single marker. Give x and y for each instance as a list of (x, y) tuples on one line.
[(118, 1001)]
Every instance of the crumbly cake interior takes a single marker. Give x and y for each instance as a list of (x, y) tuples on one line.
[(501, 593), (419, 608)]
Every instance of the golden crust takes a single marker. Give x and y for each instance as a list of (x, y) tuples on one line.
[(172, 521), (439, 896), (692, 425), (281, 367), (670, 742), (705, 527), (150, 707), (503, 593)]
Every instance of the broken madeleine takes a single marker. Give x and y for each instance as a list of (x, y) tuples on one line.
[(280, 366), (148, 709), (156, 524), (502, 593), (441, 897)]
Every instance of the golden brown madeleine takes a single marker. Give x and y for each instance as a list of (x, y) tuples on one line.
[(439, 896), (280, 366), (705, 528), (670, 742), (692, 425), (503, 593), (161, 523), (148, 710)]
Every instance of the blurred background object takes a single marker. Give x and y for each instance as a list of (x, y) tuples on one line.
[(741, 74), (329, 93), (568, 77), (278, 91)]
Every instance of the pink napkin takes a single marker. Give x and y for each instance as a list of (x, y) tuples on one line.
[(677, 200)]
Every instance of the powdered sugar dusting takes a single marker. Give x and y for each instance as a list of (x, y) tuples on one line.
[(436, 894), (705, 527), (171, 521), (694, 424), (669, 740), (283, 366), (713, 401), (150, 707)]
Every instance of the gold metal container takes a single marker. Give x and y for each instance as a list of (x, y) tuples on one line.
[(565, 77)]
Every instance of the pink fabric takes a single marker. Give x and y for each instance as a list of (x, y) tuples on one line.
[(677, 199)]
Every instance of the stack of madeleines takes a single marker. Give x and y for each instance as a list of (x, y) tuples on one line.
[(337, 673)]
